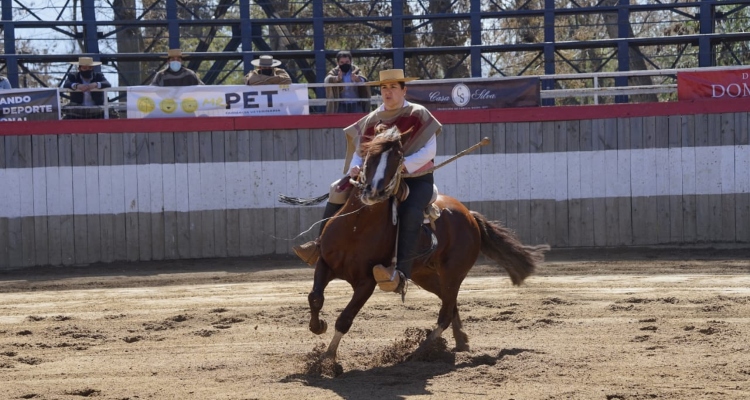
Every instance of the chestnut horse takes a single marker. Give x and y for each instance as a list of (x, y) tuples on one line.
[(363, 234)]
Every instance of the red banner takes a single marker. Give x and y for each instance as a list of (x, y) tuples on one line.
[(730, 84), (468, 95)]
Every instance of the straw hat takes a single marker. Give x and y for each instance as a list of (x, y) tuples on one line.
[(390, 76), (175, 53), (86, 62), (265, 61)]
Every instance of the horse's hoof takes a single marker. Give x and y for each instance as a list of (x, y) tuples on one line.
[(322, 328), (462, 348)]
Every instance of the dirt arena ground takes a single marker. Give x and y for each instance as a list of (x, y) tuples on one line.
[(611, 325)]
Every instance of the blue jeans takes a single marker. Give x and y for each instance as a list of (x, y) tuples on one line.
[(411, 216)]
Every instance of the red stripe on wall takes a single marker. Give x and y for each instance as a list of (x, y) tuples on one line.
[(531, 114)]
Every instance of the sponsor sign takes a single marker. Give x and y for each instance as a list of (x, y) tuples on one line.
[(468, 95), (730, 84), (29, 105), (217, 101)]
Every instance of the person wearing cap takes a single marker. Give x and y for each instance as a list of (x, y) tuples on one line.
[(420, 147), (266, 72), (346, 72), (85, 85), (175, 74)]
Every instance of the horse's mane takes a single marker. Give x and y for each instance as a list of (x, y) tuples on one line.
[(384, 139)]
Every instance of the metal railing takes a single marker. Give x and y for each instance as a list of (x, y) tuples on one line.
[(595, 90)]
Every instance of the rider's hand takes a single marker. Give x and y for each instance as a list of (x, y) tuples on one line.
[(354, 172)]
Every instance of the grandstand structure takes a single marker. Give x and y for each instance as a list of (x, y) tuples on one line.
[(469, 38)]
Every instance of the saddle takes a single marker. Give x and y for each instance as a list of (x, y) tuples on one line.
[(432, 211)]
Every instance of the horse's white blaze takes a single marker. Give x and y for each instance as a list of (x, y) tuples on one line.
[(379, 175)]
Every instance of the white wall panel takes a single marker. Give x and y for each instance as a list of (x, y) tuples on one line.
[(243, 185), (79, 191), (39, 177), (92, 189)]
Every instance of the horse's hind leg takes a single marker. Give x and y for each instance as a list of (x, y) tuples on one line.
[(462, 339), (323, 276), (445, 318)]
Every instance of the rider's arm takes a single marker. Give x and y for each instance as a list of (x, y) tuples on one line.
[(421, 157), (356, 161)]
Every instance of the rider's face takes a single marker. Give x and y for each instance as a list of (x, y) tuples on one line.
[(393, 95)]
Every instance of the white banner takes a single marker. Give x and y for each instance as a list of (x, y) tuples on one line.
[(217, 101)]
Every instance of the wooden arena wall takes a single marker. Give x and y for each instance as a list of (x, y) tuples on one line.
[(80, 192)]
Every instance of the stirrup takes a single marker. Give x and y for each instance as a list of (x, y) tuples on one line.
[(390, 279), (308, 252)]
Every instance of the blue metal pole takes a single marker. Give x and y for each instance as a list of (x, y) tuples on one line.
[(705, 50), (173, 25), (9, 36), (549, 48), (247, 36), (476, 39), (623, 53), (319, 45), (397, 34), (90, 33)]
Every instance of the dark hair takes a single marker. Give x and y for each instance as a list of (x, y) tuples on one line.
[(343, 53)]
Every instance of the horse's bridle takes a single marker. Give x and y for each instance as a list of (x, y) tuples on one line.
[(392, 187)]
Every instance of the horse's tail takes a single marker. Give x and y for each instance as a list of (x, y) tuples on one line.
[(501, 245)]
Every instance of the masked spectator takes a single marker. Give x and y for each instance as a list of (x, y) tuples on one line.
[(85, 85), (175, 74), (346, 72)]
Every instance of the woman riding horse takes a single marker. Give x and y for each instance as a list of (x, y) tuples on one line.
[(419, 146), (363, 234)]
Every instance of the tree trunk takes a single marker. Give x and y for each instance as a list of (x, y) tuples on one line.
[(637, 62), (129, 40)]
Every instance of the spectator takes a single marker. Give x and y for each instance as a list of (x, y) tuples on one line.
[(175, 74), (267, 73), (346, 72), (85, 85), (5, 83)]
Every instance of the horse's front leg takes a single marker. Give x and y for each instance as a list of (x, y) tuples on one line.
[(362, 292), (323, 276)]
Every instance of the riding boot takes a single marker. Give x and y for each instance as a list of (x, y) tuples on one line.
[(408, 241), (310, 252), (389, 279)]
